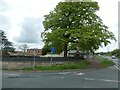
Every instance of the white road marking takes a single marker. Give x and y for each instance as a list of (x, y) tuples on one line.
[(117, 67), (80, 74), (14, 74), (102, 80), (63, 73), (62, 77), (8, 74), (89, 79)]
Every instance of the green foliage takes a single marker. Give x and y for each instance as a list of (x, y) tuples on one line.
[(7, 46), (116, 52), (44, 52), (104, 61), (72, 46), (46, 49), (107, 63), (77, 65), (76, 24)]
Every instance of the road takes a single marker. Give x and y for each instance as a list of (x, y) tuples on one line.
[(97, 78), (115, 60)]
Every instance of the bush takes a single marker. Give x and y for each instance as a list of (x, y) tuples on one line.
[(116, 52), (104, 61)]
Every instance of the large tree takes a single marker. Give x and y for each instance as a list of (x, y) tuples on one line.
[(7, 46), (75, 23)]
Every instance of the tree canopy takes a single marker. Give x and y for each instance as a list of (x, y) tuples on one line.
[(46, 49), (75, 23), (7, 46)]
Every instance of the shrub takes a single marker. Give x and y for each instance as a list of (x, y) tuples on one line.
[(104, 61)]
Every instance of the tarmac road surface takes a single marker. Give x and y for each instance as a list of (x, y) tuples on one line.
[(101, 78)]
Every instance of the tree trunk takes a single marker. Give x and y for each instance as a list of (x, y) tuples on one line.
[(65, 50), (93, 54)]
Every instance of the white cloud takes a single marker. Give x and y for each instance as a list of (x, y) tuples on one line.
[(109, 14), (31, 30)]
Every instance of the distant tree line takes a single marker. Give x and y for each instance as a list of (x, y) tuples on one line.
[(115, 52)]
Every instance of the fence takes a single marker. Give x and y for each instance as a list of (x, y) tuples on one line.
[(31, 58), (19, 62)]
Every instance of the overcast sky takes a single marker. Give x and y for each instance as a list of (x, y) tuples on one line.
[(22, 20)]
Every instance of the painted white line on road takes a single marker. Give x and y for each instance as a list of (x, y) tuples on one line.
[(80, 74), (61, 77), (63, 73), (89, 79), (11, 74), (102, 80), (14, 74), (117, 67)]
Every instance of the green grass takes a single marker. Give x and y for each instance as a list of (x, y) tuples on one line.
[(77, 65), (104, 61)]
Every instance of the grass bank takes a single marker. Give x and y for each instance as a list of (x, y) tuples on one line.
[(104, 61), (77, 65)]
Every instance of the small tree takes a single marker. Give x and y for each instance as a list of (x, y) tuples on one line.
[(7, 46), (23, 48)]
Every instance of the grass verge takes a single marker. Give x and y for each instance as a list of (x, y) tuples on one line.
[(104, 61), (77, 65)]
